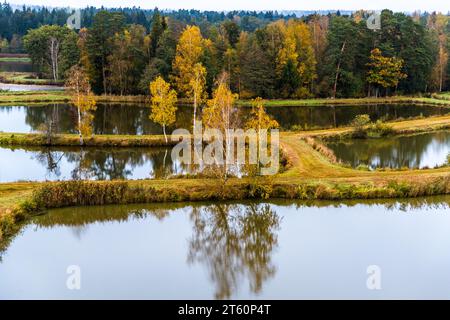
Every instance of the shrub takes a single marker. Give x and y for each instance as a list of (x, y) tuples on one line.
[(363, 167), (323, 150), (380, 129), (359, 125)]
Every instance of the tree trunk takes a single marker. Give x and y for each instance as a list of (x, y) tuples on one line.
[(164, 130), (195, 111), (104, 75), (338, 70), (164, 163), (79, 125)]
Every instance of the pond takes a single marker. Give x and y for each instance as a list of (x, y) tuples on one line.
[(134, 118), (276, 250), (29, 87), (16, 66), (40, 164), (316, 117), (426, 150)]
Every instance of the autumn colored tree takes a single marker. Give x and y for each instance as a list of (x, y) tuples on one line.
[(197, 87), (78, 85), (220, 114), (120, 62), (296, 63), (258, 118), (163, 103), (127, 60), (190, 74), (383, 71), (439, 23), (189, 51)]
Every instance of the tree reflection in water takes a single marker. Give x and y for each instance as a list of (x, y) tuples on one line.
[(108, 164), (235, 242)]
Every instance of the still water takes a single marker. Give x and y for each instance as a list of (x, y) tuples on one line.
[(278, 250), (29, 87), (40, 164), (426, 150), (134, 119), (16, 66)]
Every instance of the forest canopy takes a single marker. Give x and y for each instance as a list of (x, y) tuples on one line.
[(265, 54)]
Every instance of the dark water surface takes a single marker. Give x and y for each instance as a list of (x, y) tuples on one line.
[(41, 163), (411, 151), (134, 118), (16, 66), (280, 250)]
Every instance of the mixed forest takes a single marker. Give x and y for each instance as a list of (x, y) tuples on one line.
[(264, 54)]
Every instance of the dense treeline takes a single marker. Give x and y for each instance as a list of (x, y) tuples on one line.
[(16, 22), (263, 54)]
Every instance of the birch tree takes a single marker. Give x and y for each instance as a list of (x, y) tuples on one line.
[(78, 85), (163, 103)]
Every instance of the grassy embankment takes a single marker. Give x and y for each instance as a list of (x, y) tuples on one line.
[(25, 78), (58, 96), (19, 59), (35, 139), (310, 175)]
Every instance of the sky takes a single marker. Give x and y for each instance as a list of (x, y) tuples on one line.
[(395, 5)]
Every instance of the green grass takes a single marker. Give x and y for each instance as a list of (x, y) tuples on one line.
[(11, 97), (42, 96), (318, 102), (25, 78), (31, 139), (15, 59), (52, 96), (442, 96)]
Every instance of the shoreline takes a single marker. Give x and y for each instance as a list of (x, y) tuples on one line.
[(45, 96), (422, 125), (309, 176)]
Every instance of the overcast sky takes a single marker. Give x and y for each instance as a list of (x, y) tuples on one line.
[(396, 5)]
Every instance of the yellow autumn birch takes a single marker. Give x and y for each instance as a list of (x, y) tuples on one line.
[(163, 102)]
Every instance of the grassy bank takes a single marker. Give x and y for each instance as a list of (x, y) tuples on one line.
[(20, 59), (36, 97), (422, 125), (28, 78), (33, 139), (30, 139), (87, 193), (31, 97), (49, 96), (310, 176), (360, 101)]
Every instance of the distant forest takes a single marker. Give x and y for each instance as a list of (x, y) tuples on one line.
[(266, 54)]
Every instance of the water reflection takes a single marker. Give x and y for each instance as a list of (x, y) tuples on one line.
[(316, 117), (235, 243), (413, 151), (281, 249), (134, 118), (16, 66), (38, 164)]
